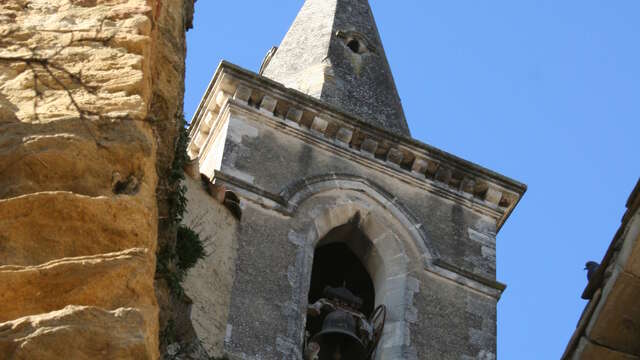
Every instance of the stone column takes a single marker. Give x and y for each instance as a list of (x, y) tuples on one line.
[(90, 98)]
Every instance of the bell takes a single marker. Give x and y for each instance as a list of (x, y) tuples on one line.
[(338, 339)]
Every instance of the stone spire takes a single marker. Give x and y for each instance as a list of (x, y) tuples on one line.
[(333, 52)]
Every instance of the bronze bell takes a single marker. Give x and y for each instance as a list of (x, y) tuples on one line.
[(338, 339)]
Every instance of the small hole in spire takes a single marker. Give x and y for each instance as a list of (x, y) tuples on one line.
[(356, 42), (354, 45)]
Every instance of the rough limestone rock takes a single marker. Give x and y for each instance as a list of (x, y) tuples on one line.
[(212, 275), (90, 101), (97, 334), (57, 40), (92, 280), (32, 224), (63, 156)]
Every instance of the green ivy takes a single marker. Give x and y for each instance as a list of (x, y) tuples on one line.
[(189, 248), (173, 264), (177, 198), (168, 333)]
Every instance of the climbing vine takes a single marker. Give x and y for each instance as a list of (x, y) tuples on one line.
[(175, 261)]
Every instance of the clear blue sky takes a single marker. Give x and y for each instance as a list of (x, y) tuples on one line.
[(544, 91)]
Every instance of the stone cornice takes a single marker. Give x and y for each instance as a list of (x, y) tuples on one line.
[(451, 176), (343, 150)]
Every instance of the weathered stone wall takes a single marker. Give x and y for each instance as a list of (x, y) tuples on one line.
[(452, 322), (209, 283), (272, 160), (90, 95)]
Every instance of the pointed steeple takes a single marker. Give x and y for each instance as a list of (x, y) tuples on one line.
[(333, 52)]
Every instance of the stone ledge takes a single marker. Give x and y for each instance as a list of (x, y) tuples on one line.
[(434, 187), (481, 279)]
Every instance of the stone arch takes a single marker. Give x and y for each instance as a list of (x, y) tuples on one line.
[(397, 246), (296, 194)]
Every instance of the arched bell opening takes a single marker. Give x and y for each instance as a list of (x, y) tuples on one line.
[(391, 246), (335, 265), (342, 289)]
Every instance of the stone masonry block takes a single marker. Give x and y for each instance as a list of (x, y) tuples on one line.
[(294, 114), (468, 185), (221, 97), (319, 124), (268, 104), (493, 195), (344, 135), (443, 175), (395, 156), (432, 168), (369, 146), (507, 199), (419, 166), (199, 139), (206, 125), (242, 93)]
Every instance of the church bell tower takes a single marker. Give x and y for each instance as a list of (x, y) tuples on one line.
[(335, 234)]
